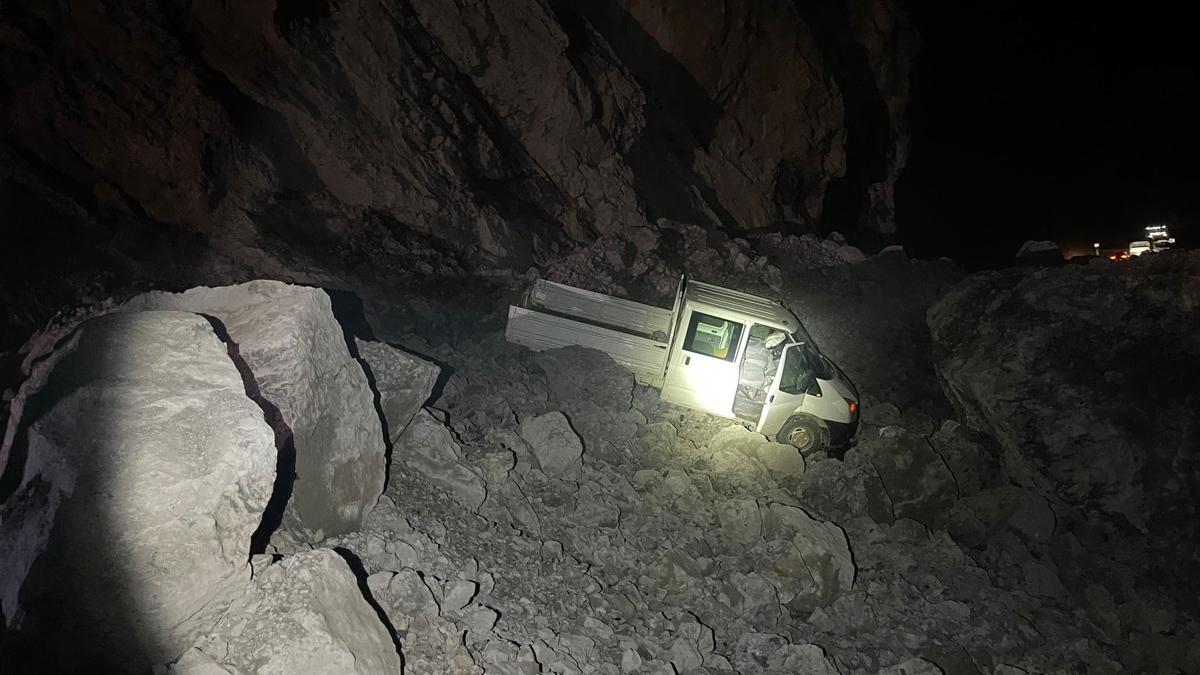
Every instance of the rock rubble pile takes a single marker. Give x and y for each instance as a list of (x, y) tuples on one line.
[(545, 513)]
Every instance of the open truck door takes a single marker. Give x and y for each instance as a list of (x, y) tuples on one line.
[(780, 418), (676, 319)]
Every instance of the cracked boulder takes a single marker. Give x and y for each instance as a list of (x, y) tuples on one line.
[(594, 392), (297, 356), (148, 468), (916, 478), (404, 382), (305, 613), (432, 616), (809, 560), (844, 490)]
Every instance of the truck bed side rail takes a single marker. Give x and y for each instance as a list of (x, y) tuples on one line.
[(539, 331), (598, 308)]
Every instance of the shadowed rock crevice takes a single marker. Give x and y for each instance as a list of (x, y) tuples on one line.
[(360, 575), (680, 117), (868, 133), (285, 447), (348, 310)]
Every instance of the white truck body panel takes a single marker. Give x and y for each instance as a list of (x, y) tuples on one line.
[(646, 358), (1137, 248), (700, 381), (666, 348)]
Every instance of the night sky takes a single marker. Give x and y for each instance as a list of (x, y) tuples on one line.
[(1075, 124)]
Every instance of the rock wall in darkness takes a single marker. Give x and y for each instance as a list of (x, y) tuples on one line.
[(208, 142)]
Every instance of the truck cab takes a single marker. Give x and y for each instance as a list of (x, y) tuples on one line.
[(720, 362), (717, 350)]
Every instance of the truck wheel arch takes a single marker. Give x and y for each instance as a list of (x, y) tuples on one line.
[(808, 434)]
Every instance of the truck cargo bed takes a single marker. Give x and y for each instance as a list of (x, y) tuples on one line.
[(599, 309), (643, 356)]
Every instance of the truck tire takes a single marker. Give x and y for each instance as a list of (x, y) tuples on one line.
[(806, 433)]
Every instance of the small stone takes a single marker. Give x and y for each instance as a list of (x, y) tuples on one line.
[(555, 444), (630, 661), (409, 594), (459, 595), (684, 655), (481, 620)]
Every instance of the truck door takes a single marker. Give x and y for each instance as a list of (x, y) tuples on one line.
[(787, 391), (676, 319), (703, 368)]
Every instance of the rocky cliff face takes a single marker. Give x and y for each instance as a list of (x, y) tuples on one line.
[(182, 144)]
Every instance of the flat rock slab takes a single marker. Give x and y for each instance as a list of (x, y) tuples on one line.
[(296, 351), (555, 444), (154, 468), (812, 564), (427, 447), (404, 382), (918, 481)]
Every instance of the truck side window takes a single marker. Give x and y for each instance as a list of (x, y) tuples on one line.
[(796, 377), (711, 336)]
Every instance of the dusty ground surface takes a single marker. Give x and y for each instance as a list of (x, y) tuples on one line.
[(545, 514)]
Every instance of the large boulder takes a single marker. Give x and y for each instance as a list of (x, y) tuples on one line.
[(297, 357), (916, 479), (810, 560), (1086, 377), (581, 374), (145, 472), (594, 392), (304, 614)]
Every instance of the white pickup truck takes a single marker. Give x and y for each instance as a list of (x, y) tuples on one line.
[(717, 350)]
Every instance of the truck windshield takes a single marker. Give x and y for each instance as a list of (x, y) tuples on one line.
[(796, 376), (816, 364), (801, 335)]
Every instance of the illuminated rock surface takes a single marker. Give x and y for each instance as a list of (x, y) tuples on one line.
[(427, 447), (154, 467), (303, 614), (296, 352), (404, 382), (555, 445), (684, 542)]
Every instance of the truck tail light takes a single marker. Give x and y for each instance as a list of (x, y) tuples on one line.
[(853, 407)]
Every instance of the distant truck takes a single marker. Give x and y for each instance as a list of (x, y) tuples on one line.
[(717, 350), (1137, 248)]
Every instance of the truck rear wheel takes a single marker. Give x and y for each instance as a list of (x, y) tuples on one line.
[(805, 433)]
